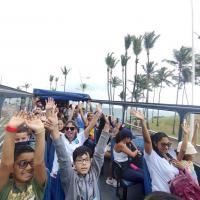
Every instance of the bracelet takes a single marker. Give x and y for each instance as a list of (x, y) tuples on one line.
[(11, 129)]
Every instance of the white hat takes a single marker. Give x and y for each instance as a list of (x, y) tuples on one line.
[(190, 148)]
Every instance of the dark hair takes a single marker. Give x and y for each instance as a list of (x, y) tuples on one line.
[(158, 195), (79, 151), (73, 122), (23, 147), (155, 139), (123, 133), (23, 128)]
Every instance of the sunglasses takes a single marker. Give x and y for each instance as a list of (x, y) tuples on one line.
[(23, 164), (166, 144), (70, 128)]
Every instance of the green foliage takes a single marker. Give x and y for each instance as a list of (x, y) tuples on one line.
[(166, 125)]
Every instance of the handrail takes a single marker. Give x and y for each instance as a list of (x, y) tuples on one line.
[(182, 110)]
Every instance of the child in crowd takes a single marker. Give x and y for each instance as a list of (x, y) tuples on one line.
[(23, 134), (186, 150), (80, 182), (22, 170)]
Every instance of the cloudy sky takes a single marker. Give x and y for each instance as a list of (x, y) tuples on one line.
[(37, 38)]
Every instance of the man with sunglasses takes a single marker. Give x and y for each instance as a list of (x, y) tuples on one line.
[(22, 170)]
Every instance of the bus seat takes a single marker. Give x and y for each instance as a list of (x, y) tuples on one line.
[(124, 184), (147, 179)]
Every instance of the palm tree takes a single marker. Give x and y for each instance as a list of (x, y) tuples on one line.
[(56, 83), (26, 86), (149, 70), (155, 84), (149, 41), (65, 72), (124, 60), (162, 77), (137, 48), (121, 95), (141, 86), (186, 78), (182, 58), (83, 87), (111, 63), (51, 77), (127, 43), (115, 82)]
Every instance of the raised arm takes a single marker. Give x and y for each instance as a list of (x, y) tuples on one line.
[(98, 157), (126, 150), (147, 139), (195, 135), (72, 111), (63, 157), (7, 160), (94, 120), (183, 148), (80, 107), (35, 124)]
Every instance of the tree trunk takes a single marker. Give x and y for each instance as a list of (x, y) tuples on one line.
[(152, 116), (159, 102), (134, 85), (173, 130), (64, 83)]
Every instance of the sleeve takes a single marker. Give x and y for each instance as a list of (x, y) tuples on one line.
[(81, 137), (98, 157), (150, 157), (64, 161), (38, 189)]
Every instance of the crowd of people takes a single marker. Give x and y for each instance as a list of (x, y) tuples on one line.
[(67, 144)]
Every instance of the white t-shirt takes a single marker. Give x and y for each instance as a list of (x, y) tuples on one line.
[(161, 171), (70, 147)]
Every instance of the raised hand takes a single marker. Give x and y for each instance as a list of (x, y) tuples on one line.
[(186, 128), (99, 108), (197, 122), (50, 104), (34, 123), (17, 119), (107, 124), (52, 121), (137, 114)]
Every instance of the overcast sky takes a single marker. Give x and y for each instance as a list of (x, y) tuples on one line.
[(38, 37)]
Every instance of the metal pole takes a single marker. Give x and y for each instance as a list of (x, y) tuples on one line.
[(193, 73)]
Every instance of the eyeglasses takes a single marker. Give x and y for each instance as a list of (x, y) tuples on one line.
[(70, 128), (166, 144), (24, 163), (81, 161)]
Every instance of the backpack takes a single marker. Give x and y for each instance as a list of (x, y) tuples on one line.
[(184, 186)]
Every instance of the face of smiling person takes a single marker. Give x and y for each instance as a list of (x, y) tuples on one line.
[(60, 125), (21, 137), (82, 164), (23, 168), (70, 131), (163, 145)]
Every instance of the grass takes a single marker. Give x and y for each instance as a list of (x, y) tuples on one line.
[(165, 125)]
